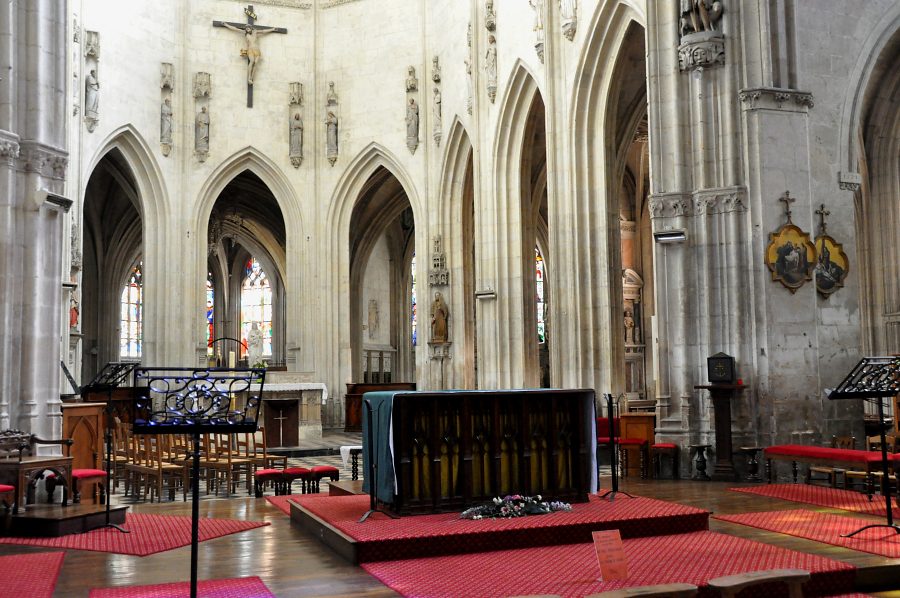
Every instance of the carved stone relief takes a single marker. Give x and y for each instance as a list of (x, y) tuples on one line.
[(700, 203), (202, 87), (702, 43), (774, 98), (439, 274), (202, 91), (372, 323), (436, 102), (48, 162), (9, 151), (412, 82), (490, 17), (412, 110), (92, 45), (568, 12), (295, 124), (470, 62)]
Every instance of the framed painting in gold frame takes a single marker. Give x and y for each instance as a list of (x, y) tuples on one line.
[(832, 265), (791, 257)]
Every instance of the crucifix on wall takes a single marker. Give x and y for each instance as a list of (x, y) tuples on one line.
[(251, 50)]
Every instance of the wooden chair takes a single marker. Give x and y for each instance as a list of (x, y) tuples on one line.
[(223, 463), (150, 471), (852, 477), (254, 446), (831, 473)]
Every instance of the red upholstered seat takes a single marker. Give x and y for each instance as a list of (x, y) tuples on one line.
[(267, 472), (82, 474), (4, 488), (664, 445), (324, 469), (824, 453), (295, 472)]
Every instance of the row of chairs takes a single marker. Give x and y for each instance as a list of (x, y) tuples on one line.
[(148, 464), (852, 478)]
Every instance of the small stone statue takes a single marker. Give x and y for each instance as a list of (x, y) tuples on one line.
[(296, 140), (201, 132), (331, 98), (490, 17), (165, 126), (700, 15), (629, 327), (331, 137), (568, 11), (412, 125), (91, 94), (436, 113), (254, 345), (412, 82), (440, 316), (490, 68)]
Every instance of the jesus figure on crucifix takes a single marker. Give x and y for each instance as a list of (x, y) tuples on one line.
[(251, 46)]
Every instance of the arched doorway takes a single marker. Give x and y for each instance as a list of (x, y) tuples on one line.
[(245, 291), (111, 320), (382, 249)]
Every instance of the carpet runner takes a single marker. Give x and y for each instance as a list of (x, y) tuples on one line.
[(281, 502), (149, 534), (381, 538), (32, 575), (822, 496), (824, 527), (572, 570), (245, 587)]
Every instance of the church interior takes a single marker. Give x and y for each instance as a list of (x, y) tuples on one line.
[(321, 297)]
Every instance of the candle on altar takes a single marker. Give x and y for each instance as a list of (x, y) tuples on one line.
[(231, 359)]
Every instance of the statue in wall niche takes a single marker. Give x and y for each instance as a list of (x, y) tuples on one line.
[(165, 122), (490, 17), (412, 125), (700, 15), (91, 94), (490, 67), (569, 17), (296, 140), (436, 113), (629, 327), (440, 316), (538, 6), (73, 312), (331, 137), (412, 82), (201, 131)]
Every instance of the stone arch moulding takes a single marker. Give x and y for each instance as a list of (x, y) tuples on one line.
[(456, 155), (340, 210), (880, 37)]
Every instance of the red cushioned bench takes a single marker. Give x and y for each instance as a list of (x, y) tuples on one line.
[(870, 461)]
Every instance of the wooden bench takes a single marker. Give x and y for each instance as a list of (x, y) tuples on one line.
[(870, 461)]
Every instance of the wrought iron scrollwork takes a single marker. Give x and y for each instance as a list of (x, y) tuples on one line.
[(187, 400)]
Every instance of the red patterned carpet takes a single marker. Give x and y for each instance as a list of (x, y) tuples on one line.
[(824, 527), (246, 587), (149, 534), (30, 575), (572, 570), (381, 538), (822, 496), (281, 502)]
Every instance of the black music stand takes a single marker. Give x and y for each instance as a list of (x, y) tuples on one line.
[(194, 401), (613, 453), (874, 378), (372, 465), (108, 379)]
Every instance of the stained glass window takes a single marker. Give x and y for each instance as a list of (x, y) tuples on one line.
[(210, 314), (256, 306), (131, 308), (539, 294), (413, 316)]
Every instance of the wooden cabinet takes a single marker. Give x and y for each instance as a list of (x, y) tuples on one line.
[(83, 423), (353, 409)]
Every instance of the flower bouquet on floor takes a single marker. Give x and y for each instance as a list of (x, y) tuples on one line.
[(514, 505)]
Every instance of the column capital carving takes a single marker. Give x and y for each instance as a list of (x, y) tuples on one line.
[(9, 151), (701, 50), (775, 98), (47, 161)]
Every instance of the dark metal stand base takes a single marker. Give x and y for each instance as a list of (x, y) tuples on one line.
[(896, 528)]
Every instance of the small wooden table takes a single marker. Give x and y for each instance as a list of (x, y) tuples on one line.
[(28, 468)]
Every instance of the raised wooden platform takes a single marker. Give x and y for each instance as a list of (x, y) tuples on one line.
[(51, 521), (345, 488)]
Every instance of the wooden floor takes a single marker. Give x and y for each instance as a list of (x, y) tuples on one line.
[(293, 564)]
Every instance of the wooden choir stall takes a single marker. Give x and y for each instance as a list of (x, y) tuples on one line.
[(448, 450)]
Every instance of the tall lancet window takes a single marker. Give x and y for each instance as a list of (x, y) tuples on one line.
[(256, 307), (540, 299), (210, 314), (131, 312), (412, 298)]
